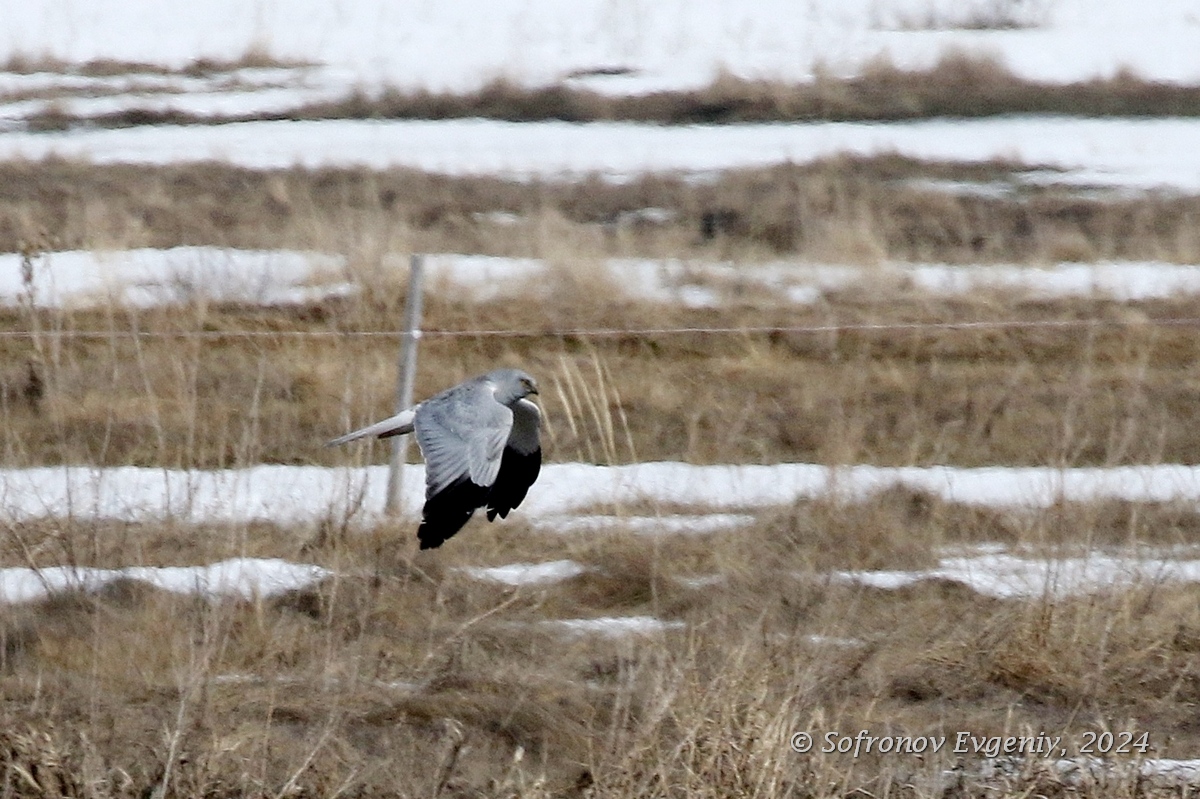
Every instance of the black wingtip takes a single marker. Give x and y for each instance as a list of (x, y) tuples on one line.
[(433, 535), (448, 511), (517, 474)]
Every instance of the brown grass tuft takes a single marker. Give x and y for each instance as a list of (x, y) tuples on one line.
[(842, 210)]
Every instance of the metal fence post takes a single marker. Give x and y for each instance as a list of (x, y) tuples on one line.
[(404, 383)]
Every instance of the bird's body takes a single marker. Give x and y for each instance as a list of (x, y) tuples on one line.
[(481, 448)]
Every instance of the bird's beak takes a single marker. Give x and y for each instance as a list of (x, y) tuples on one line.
[(532, 388)]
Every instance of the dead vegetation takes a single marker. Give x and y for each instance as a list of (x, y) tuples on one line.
[(402, 676), (214, 386), (253, 58), (841, 210), (959, 85)]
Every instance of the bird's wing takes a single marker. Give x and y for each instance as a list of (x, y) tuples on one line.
[(462, 433), (521, 462), (392, 426)]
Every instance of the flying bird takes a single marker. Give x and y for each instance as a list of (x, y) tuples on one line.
[(481, 449)]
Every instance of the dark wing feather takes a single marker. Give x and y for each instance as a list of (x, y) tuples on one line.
[(520, 463), (517, 473), (447, 511)]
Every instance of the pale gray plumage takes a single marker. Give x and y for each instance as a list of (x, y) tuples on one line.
[(481, 448)]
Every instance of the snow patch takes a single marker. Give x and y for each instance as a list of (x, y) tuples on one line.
[(240, 577), (303, 494), (1006, 576), (527, 573), (1138, 153), (697, 524), (615, 626), (630, 47), (152, 277)]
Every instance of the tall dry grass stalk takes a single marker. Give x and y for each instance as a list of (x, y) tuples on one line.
[(593, 411)]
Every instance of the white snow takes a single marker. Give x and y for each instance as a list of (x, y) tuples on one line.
[(659, 43), (1120, 281), (694, 524), (305, 494), (249, 91), (1090, 770), (241, 577), (1008, 576), (614, 626), (1130, 153), (1168, 769), (527, 573), (146, 277), (708, 284), (300, 494), (834, 641), (711, 284)]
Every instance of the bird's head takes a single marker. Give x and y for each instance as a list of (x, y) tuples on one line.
[(511, 385)]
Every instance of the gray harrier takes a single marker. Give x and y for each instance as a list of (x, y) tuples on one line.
[(480, 442)]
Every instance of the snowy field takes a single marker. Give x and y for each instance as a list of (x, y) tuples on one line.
[(246, 578), (649, 44), (1114, 152), (618, 46), (151, 277), (600, 521), (245, 91), (147, 277), (306, 494), (560, 503)]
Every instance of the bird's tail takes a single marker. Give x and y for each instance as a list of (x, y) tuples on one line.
[(393, 426)]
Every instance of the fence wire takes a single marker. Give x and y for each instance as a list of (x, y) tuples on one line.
[(853, 327)]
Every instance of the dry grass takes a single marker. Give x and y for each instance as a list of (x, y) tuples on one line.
[(403, 677), (980, 15), (186, 394), (254, 58), (842, 209), (959, 85)]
